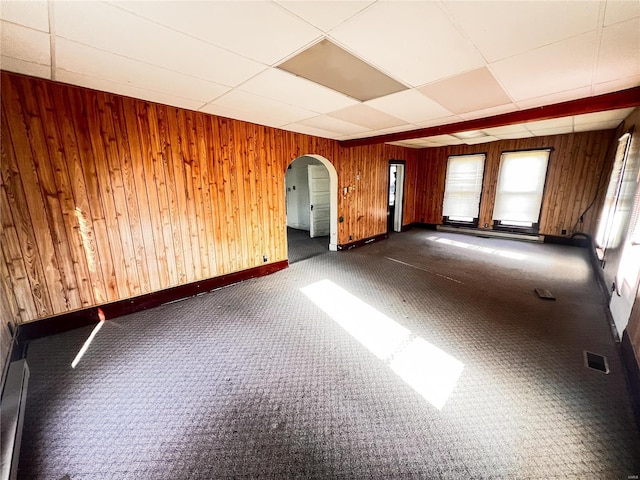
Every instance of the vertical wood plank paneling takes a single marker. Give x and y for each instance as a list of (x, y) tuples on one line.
[(16, 215), (26, 164), (573, 177), (107, 197)]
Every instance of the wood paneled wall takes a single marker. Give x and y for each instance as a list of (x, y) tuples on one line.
[(105, 197), (576, 178)]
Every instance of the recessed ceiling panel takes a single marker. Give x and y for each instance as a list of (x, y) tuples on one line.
[(619, 51), (287, 88), (367, 117), (127, 90), (414, 41), (329, 65), (263, 31), (507, 28), (411, 106), (333, 125), (608, 116), (325, 15), (470, 91), (24, 43), (262, 106), (564, 65), (621, 10), (79, 58), (32, 14), (114, 30), (26, 68)]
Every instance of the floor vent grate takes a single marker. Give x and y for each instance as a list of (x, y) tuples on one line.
[(596, 362)]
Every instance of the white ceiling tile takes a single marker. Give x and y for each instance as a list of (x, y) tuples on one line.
[(410, 105), (489, 112), (111, 29), (564, 65), (439, 121), (504, 29), (266, 107), (476, 141), (506, 129), (399, 128), (259, 30), (246, 116), (557, 97), (331, 124), (620, 10), (541, 132), (608, 116), (126, 90), (24, 43), (307, 130), (367, 116), (445, 140), (617, 84), (414, 42), (327, 14), (619, 51), (79, 58), (32, 14), (404, 143), (551, 123), (589, 127), (288, 88), (513, 136), (26, 68)]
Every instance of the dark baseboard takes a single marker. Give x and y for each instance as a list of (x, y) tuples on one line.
[(632, 370), (88, 316), (364, 241), (574, 241), (425, 226), (406, 228)]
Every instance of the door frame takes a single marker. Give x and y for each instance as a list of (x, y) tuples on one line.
[(333, 197), (404, 167)]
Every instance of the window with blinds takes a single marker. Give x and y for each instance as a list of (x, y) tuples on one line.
[(607, 215), (462, 190), (520, 187)]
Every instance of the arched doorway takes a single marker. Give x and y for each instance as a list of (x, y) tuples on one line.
[(311, 192)]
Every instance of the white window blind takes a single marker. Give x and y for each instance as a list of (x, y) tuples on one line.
[(520, 187), (605, 225), (463, 186)]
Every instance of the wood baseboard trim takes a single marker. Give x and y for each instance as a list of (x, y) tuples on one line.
[(425, 226), (80, 318), (364, 241)]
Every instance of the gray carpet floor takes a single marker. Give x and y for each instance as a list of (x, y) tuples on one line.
[(257, 381), (301, 246)]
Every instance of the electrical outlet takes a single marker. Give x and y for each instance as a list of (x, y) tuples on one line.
[(486, 225), (264, 258), (564, 231), (350, 237)]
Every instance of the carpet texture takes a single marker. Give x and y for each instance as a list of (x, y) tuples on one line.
[(256, 381), (302, 247)]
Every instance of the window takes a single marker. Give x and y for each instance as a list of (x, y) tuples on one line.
[(463, 186), (519, 191), (607, 216)]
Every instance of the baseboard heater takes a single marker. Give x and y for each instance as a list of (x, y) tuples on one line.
[(491, 233), (12, 407)]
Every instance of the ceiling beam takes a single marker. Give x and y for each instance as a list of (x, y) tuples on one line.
[(608, 101)]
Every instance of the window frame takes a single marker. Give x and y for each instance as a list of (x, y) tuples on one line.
[(459, 222), (508, 226)]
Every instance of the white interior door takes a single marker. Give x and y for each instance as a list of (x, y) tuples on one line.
[(319, 199), (397, 215)]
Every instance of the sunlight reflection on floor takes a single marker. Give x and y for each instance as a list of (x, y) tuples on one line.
[(427, 369)]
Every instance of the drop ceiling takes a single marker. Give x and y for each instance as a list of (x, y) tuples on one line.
[(454, 60)]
